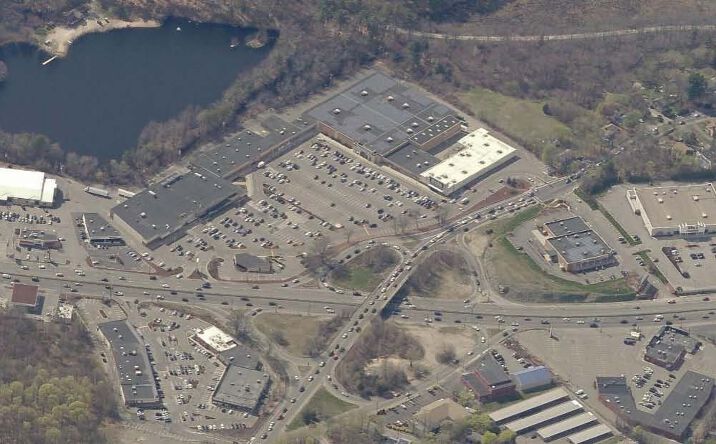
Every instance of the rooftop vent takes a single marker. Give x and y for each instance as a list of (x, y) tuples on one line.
[(364, 93), (366, 127), (406, 105), (668, 217), (695, 198), (431, 118), (336, 111), (390, 98)]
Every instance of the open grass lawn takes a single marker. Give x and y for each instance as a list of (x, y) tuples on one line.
[(523, 120), (324, 405), (295, 330), (527, 281), (359, 278), (365, 271)]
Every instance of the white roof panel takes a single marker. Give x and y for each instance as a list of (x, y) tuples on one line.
[(480, 152), (22, 184)]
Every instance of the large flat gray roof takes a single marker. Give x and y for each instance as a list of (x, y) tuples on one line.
[(130, 357), (393, 111), (241, 387), (98, 228), (676, 412), (173, 203), (580, 246), (413, 159), (247, 146), (569, 225)]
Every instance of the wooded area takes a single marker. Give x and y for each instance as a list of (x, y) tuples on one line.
[(583, 84), (51, 388)]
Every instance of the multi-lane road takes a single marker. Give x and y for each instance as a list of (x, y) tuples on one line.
[(361, 309)]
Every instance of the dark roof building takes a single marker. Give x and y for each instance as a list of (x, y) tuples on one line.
[(252, 264), (575, 246), (676, 413), (668, 347), (241, 356), (562, 227), (163, 212), (241, 388), (135, 373), (99, 232), (378, 115), (412, 159), (489, 381), (242, 152)]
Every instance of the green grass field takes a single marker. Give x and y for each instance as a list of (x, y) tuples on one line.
[(359, 278), (325, 406), (523, 120), (362, 273)]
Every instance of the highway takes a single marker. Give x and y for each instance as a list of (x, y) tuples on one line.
[(363, 309)]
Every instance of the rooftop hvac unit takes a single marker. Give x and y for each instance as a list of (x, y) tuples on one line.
[(366, 127), (154, 226), (695, 198), (390, 98), (142, 214), (431, 118), (389, 139), (406, 105), (704, 215), (414, 124), (336, 111), (364, 93), (660, 200), (410, 131)]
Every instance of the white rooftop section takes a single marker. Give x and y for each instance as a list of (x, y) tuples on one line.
[(478, 154), (25, 184), (64, 311), (216, 339)]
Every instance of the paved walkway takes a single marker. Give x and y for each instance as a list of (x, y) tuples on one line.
[(557, 37)]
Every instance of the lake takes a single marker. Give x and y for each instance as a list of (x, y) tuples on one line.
[(99, 97)]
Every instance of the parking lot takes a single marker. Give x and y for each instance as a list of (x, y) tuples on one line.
[(354, 193), (578, 356), (690, 273), (187, 373)]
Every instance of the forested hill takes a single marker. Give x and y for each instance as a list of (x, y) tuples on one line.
[(51, 389)]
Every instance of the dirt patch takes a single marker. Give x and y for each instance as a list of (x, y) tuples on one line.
[(432, 339), (299, 335), (60, 38), (444, 275)]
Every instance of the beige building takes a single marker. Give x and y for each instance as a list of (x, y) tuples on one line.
[(675, 210)]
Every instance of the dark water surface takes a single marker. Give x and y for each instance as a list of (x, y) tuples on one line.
[(98, 98)]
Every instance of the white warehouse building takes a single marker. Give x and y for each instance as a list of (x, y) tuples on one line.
[(478, 154), (24, 187)]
